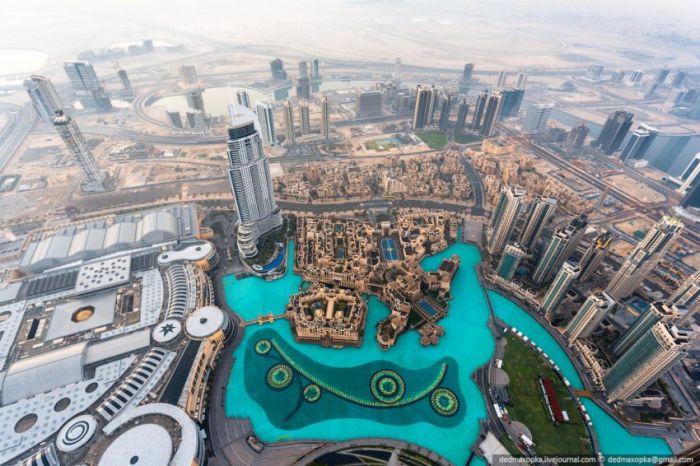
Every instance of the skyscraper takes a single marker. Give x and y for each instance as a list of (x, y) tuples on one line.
[(266, 119), (368, 104), (521, 81), (644, 257), (195, 100), (501, 80), (422, 112), (303, 69), (277, 70), (188, 75), (195, 120), (289, 122), (126, 82), (479, 108), (512, 99), (589, 316), (657, 312), (614, 131), (446, 101), (504, 217), (691, 175), (692, 197), (688, 293), (44, 97), (243, 98), (662, 75), (491, 114), (325, 119), (638, 143), (512, 254), (93, 177), (561, 246), (462, 112), (541, 210), (315, 70), (594, 255), (174, 118), (577, 136), (560, 285), (304, 117), (655, 352), (303, 88), (87, 85), (467, 73), (536, 118), (679, 79), (635, 78), (251, 183)]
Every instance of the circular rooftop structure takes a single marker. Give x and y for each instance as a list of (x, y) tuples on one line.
[(142, 445), (166, 331), (206, 321), (76, 433)]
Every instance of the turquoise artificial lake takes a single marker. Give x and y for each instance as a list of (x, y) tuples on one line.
[(467, 340)]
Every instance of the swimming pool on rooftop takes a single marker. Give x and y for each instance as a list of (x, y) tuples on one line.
[(350, 380)]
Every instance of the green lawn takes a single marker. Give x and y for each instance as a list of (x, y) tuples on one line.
[(523, 365), (433, 139), (467, 138)]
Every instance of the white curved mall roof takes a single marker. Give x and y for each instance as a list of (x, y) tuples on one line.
[(187, 450), (192, 253), (110, 234), (44, 372), (205, 322), (143, 445)]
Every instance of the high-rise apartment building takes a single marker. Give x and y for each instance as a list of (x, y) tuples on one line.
[(188, 75), (692, 197), (512, 99), (479, 108), (243, 98), (662, 75), (594, 255), (521, 81), (491, 113), (422, 112), (304, 117), (195, 100), (644, 257), (468, 73), (93, 177), (501, 79), (691, 175), (277, 70), (368, 104), (325, 119), (657, 312), (195, 120), (589, 316), (174, 119), (446, 101), (687, 295), (635, 78), (614, 131), (541, 210), (654, 353), (303, 88), (638, 144), (536, 118), (504, 217), (289, 122), (126, 82), (315, 70), (462, 112), (560, 285), (266, 119), (251, 183), (679, 79), (577, 136), (561, 246), (44, 97), (303, 69), (512, 255), (87, 86)]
